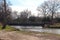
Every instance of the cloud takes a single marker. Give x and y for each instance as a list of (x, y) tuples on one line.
[(20, 5), (19, 9)]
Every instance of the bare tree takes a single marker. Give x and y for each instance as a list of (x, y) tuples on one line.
[(24, 15), (43, 8), (4, 12), (14, 15), (50, 6)]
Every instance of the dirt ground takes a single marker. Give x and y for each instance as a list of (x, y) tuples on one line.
[(13, 35)]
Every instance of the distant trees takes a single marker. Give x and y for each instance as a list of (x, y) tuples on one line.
[(24, 15), (14, 15), (49, 8), (32, 19)]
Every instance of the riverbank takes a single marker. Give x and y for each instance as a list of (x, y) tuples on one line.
[(23, 35), (11, 33)]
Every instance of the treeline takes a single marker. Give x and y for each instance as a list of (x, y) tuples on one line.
[(26, 17), (49, 10), (34, 19)]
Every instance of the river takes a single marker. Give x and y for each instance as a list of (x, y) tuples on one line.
[(38, 29)]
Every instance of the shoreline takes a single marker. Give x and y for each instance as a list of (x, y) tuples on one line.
[(23, 35)]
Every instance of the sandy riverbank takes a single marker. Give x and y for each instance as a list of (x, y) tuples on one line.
[(13, 35)]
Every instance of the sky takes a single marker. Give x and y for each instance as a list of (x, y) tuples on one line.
[(20, 5)]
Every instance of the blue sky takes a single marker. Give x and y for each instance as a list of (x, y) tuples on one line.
[(20, 5)]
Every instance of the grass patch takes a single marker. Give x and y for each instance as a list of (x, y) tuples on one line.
[(57, 25), (0, 27), (9, 28)]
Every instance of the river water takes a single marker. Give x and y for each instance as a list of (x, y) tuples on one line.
[(38, 29)]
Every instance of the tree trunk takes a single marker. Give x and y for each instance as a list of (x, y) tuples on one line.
[(52, 17), (3, 26), (4, 23)]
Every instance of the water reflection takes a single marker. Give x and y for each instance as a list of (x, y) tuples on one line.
[(38, 29)]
